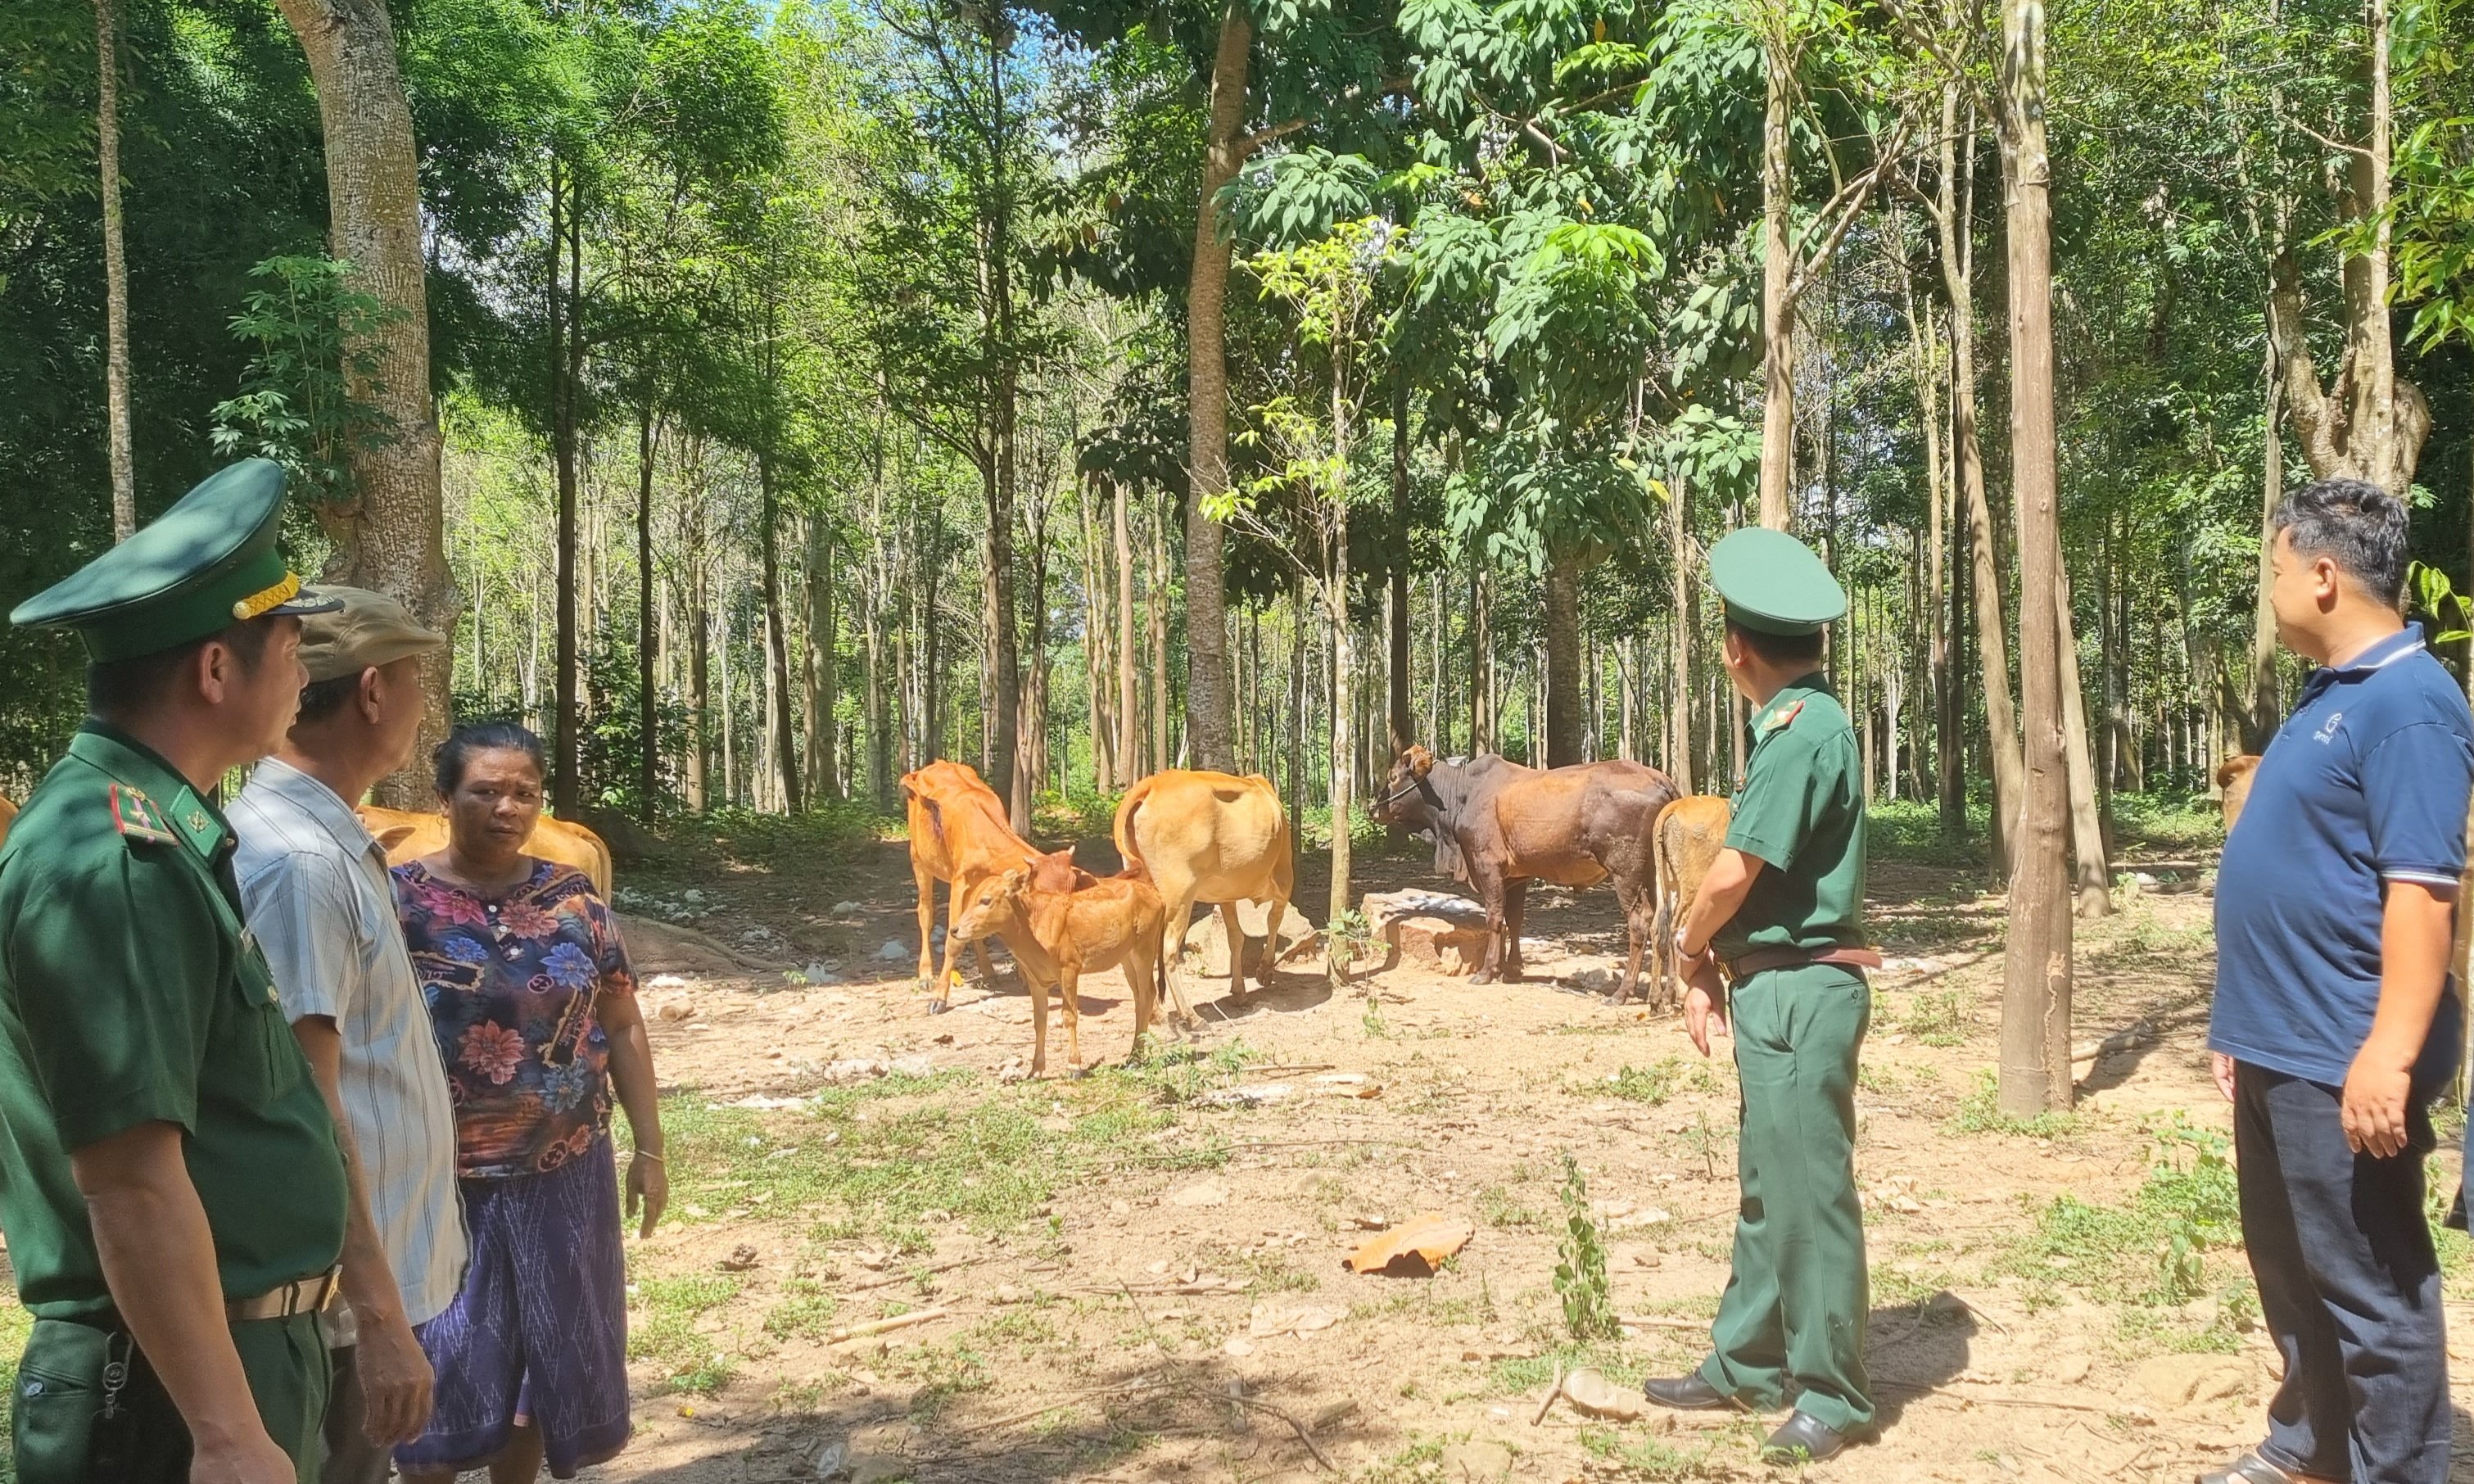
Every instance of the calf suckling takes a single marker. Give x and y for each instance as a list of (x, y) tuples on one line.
[(1072, 924)]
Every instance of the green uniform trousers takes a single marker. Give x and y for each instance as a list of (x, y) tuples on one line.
[(62, 1437), (1791, 1325)]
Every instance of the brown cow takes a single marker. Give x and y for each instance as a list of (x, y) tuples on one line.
[(1212, 837), (408, 836), (1497, 825), (2233, 776), (1688, 835), (1111, 922), (8, 812), (958, 836)]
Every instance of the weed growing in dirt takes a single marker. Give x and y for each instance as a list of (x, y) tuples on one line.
[(1373, 1022), (1644, 1458), (1581, 1264), (1708, 1139), (806, 1311), (1422, 1460), (1498, 1207), (1980, 1113), (2156, 1248), (665, 1330), (1941, 1018), (1652, 1084)]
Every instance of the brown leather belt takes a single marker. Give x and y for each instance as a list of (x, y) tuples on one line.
[(309, 1296), (1762, 959)]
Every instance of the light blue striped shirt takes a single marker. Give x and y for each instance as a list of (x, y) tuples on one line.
[(316, 889)]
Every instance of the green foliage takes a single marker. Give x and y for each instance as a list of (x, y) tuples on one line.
[(1652, 1084), (1581, 1264), (311, 349)]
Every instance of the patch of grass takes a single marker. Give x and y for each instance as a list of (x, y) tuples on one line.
[(1939, 1018), (1415, 1464), (1498, 1207), (1708, 1140), (665, 1330), (2156, 1248), (1980, 1113), (1652, 1084), (1273, 1272), (15, 1324), (1911, 829), (944, 1371), (1643, 1458), (806, 1311)]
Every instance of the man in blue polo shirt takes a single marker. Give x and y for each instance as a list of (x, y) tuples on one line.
[(2334, 1021)]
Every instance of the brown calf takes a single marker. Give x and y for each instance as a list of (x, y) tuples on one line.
[(1688, 835), (2233, 776), (959, 835), (1108, 922)]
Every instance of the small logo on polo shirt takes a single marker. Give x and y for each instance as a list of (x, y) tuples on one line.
[(2327, 732)]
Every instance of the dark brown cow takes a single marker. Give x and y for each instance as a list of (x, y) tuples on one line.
[(1498, 826)]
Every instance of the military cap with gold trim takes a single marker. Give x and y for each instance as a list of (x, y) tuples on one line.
[(206, 563), (1773, 584)]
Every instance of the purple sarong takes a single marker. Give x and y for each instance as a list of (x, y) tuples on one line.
[(540, 1330)]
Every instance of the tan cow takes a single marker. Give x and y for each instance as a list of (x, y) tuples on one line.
[(1106, 923), (8, 812), (1214, 838), (2233, 776), (958, 836), (406, 836), (1684, 840)]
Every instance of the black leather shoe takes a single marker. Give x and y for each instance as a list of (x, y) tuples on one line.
[(1686, 1394), (1803, 1439)]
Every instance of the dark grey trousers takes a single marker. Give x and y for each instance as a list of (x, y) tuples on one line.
[(2348, 1286)]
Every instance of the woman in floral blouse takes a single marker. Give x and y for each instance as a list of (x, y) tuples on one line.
[(536, 1014)]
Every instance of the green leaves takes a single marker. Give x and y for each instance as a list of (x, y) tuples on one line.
[(296, 404)]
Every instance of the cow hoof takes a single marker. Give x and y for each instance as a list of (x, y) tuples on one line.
[(937, 1007)]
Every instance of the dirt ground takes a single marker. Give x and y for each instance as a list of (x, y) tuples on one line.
[(1137, 1275)]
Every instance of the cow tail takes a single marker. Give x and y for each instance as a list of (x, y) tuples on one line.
[(1125, 830)]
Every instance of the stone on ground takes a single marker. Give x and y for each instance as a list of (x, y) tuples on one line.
[(1207, 940), (1440, 931)]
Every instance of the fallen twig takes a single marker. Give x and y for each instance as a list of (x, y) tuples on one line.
[(1552, 1392), (1059, 1399), (875, 1327), (1661, 1322), (913, 1275), (1304, 1434)]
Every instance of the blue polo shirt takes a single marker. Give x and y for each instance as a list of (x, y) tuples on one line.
[(2366, 783)]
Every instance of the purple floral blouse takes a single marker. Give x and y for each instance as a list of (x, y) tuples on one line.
[(511, 984)]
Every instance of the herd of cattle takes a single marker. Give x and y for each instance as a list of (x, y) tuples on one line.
[(1189, 837)]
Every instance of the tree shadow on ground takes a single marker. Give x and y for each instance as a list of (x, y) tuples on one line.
[(1104, 1425)]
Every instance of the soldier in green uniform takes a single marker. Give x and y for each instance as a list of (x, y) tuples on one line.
[(1783, 908), (170, 1182)]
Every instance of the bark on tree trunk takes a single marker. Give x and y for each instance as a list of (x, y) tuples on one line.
[(777, 645), (1562, 669), (2093, 873), (1778, 308), (822, 671), (2035, 1073), (116, 276), (648, 634), (1160, 753), (2267, 706), (1956, 220), (1481, 660), (390, 535), (1401, 720), (699, 628), (567, 786), (1206, 618), (1678, 537), (1130, 741)]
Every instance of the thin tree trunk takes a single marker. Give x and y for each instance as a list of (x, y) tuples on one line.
[(566, 785), (1158, 606), (2036, 985), (1561, 671), (699, 631), (1481, 659), (777, 645), (2267, 706), (1400, 719), (1679, 535), (116, 276), (1129, 749), (2093, 872), (1778, 308), (648, 712), (1225, 150), (822, 670), (390, 534)]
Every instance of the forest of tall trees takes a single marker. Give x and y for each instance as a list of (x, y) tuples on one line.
[(774, 398)]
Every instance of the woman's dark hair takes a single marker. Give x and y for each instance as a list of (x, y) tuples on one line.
[(456, 751), (2359, 526)]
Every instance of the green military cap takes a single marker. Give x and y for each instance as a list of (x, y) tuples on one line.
[(205, 564), (1773, 584)]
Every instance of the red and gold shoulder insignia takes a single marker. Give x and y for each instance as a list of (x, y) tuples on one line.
[(136, 815), (1779, 722)]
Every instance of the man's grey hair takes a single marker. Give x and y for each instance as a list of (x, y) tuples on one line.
[(2359, 526)]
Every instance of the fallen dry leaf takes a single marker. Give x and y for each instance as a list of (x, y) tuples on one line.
[(1271, 1319), (1593, 1393), (1417, 1248)]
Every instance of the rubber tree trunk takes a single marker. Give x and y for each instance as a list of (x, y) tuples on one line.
[(115, 275), (821, 670), (2035, 1074), (1955, 219), (1679, 710), (566, 281), (649, 632), (777, 641), (1207, 699), (1562, 660), (2266, 705), (1129, 730), (390, 535), (2092, 874), (1778, 306), (1401, 722)]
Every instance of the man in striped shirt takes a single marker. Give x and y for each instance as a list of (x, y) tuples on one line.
[(319, 900)]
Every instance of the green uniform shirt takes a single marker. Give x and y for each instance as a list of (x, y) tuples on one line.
[(1801, 813), (130, 993)]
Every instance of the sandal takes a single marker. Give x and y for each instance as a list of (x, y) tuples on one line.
[(2251, 1468)]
